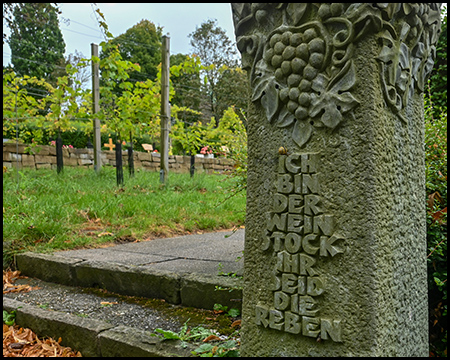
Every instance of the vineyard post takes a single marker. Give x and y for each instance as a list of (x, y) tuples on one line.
[(96, 109), (165, 109)]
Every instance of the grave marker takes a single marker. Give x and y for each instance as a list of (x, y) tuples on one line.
[(110, 145), (147, 147), (335, 247)]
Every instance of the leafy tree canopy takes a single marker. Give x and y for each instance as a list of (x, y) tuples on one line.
[(187, 89), (216, 52), (233, 89), (141, 44), (211, 43), (36, 42)]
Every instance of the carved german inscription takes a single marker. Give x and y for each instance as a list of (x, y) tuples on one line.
[(299, 231)]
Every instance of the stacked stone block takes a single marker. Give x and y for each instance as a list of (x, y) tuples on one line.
[(44, 156)]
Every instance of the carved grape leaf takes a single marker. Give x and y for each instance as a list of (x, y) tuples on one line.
[(301, 132), (418, 54), (331, 117), (286, 118), (364, 18), (270, 100), (294, 12), (259, 88), (344, 80), (335, 100), (320, 83), (404, 56), (261, 80), (345, 102), (387, 53)]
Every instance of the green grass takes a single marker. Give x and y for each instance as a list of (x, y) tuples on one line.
[(44, 211)]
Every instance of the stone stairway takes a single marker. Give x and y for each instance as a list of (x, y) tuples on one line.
[(167, 275)]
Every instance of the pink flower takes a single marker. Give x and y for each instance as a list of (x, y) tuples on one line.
[(205, 150)]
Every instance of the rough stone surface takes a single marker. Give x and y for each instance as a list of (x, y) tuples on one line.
[(90, 336), (93, 304), (335, 178)]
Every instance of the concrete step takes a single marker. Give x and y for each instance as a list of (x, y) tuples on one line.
[(186, 270), (94, 337), (98, 323)]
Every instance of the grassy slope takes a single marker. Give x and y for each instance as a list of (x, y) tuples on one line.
[(79, 208)]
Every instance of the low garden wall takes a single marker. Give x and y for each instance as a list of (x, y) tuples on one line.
[(45, 157)]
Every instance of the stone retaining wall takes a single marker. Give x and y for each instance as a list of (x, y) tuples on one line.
[(45, 157)]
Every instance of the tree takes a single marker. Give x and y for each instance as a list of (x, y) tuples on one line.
[(8, 16), (141, 44), (187, 89), (233, 90), (36, 42), (216, 51), (78, 60)]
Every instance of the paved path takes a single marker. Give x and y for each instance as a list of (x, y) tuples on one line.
[(201, 253), (186, 270)]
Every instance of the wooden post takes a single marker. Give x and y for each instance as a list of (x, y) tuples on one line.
[(96, 109), (59, 154), (165, 109), (119, 165), (192, 167), (130, 157)]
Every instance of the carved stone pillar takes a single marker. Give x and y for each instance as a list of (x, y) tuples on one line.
[(335, 248)]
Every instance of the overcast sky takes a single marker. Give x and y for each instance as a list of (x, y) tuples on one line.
[(178, 19)]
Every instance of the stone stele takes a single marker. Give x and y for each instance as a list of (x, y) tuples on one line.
[(335, 248)]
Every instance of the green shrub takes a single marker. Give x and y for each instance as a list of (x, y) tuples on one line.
[(235, 140), (436, 187), (438, 77)]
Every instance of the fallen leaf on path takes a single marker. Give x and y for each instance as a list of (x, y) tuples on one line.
[(106, 233), (236, 323), (20, 342), (9, 277), (106, 303), (211, 338)]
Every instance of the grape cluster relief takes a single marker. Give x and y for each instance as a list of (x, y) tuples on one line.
[(299, 56)]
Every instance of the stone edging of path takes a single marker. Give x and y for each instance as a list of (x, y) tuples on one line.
[(196, 290), (93, 337)]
